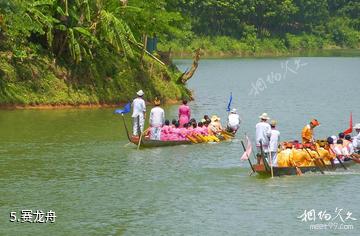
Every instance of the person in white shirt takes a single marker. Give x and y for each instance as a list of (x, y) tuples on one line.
[(157, 119), (274, 142), (139, 113), (263, 133), (356, 139), (348, 144), (233, 121)]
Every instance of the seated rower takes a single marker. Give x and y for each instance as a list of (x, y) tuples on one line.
[(199, 128), (342, 136), (173, 122), (183, 132), (165, 131), (338, 149), (348, 144), (175, 133), (215, 127)]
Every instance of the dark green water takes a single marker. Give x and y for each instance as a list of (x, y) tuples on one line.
[(78, 164)]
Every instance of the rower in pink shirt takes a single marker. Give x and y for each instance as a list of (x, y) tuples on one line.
[(199, 129), (165, 131), (184, 113), (183, 132), (175, 133)]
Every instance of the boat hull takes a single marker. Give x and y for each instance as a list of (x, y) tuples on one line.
[(147, 143), (281, 171), (157, 143)]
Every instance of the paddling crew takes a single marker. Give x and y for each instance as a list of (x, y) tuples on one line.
[(263, 133), (308, 133), (274, 142), (139, 113), (184, 113), (233, 121), (157, 119), (356, 139)]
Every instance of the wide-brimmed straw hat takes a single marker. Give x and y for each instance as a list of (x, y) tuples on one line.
[(273, 123), (264, 116), (357, 126), (215, 118), (140, 93)]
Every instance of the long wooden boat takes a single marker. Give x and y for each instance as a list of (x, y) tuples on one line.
[(263, 170), (148, 143)]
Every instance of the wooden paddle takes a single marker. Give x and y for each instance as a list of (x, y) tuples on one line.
[(139, 143), (271, 164), (191, 139), (314, 159), (140, 133)]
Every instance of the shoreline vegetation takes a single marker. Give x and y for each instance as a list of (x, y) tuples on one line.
[(82, 53), (220, 47)]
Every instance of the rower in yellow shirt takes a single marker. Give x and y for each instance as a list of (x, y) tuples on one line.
[(307, 132)]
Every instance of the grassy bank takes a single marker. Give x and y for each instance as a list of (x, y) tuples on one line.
[(43, 81)]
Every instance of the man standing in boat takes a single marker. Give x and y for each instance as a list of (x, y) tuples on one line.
[(184, 113), (274, 142), (157, 119), (233, 121), (307, 133), (356, 139), (139, 113), (263, 134)]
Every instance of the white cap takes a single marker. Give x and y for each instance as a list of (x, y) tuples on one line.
[(140, 93), (233, 110), (357, 126), (264, 116)]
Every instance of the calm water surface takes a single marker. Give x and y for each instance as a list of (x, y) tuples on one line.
[(79, 164)]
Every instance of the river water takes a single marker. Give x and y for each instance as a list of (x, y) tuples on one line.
[(79, 164)]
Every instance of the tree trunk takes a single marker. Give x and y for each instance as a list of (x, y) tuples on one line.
[(188, 74)]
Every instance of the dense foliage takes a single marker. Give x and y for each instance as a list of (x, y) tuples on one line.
[(83, 51), (258, 25)]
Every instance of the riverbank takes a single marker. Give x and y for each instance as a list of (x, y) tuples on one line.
[(291, 45), (339, 52), (43, 83)]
